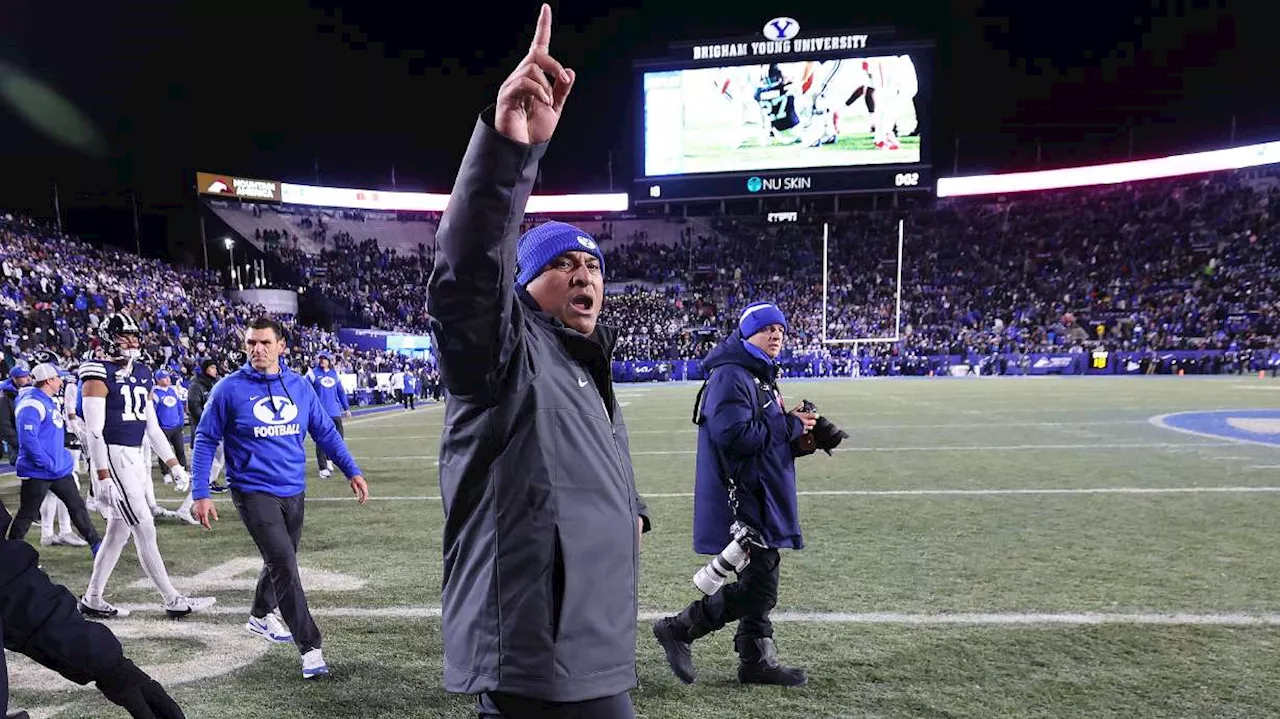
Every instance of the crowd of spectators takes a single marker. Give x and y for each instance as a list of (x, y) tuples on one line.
[(380, 286), (55, 291), (1160, 265), (1183, 263)]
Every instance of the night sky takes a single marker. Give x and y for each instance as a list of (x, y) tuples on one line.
[(272, 88)]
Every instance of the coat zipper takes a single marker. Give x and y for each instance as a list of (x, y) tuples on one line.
[(635, 544)]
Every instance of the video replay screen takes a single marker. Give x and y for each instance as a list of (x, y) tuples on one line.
[(848, 112)]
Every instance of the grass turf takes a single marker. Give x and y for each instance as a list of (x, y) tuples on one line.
[(880, 541)]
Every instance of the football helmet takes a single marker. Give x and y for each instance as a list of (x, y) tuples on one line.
[(121, 336), (45, 357), (234, 360)]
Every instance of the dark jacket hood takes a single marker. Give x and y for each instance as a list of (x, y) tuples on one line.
[(730, 351)]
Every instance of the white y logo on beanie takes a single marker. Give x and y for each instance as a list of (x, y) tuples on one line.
[(586, 242)]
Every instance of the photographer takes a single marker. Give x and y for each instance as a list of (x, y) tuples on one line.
[(745, 497)]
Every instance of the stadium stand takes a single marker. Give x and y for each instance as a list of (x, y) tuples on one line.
[(1162, 265), (1175, 265), (55, 290)]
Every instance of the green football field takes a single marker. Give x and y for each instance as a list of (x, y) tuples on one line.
[(979, 548)]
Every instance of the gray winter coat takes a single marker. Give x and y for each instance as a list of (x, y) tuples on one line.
[(541, 553)]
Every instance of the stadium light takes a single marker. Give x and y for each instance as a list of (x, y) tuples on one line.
[(1234, 158), (349, 198), (228, 243)]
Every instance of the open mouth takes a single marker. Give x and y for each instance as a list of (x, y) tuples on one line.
[(583, 303)]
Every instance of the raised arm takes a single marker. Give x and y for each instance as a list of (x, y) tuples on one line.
[(471, 294)]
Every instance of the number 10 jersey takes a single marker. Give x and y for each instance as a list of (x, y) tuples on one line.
[(128, 391)]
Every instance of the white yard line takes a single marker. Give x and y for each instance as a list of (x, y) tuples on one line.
[(930, 448), (906, 493), (920, 618), (989, 447), (638, 417), (949, 425)]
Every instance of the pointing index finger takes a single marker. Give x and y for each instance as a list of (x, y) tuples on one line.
[(542, 36)]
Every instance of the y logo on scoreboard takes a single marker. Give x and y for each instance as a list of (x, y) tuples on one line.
[(781, 28)]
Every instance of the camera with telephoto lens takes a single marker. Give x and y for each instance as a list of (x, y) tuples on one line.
[(732, 559), (824, 436)]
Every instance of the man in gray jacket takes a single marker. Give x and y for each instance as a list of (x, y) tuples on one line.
[(542, 519)]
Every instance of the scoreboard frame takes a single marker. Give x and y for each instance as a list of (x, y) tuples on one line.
[(787, 182)]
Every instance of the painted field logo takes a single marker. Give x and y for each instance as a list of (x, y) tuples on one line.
[(1250, 426)]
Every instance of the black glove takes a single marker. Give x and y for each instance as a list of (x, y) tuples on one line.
[(140, 695)]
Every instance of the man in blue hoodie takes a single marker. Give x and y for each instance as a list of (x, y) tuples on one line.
[(44, 464), (262, 414), (747, 445), (333, 399)]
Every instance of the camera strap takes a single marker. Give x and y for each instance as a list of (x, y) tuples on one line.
[(700, 417)]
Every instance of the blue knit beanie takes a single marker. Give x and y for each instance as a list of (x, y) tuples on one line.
[(548, 241), (759, 315)]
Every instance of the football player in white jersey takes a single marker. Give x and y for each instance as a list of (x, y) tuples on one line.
[(887, 85), (118, 418), (148, 457)]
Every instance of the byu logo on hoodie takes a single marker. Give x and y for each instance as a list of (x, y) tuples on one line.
[(277, 415)]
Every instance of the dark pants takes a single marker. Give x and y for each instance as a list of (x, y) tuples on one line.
[(496, 705), (275, 523), (748, 600), (406, 399), (179, 447), (321, 459), (32, 495)]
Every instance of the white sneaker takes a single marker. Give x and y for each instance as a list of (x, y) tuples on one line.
[(91, 504), (325, 474), (186, 516), (157, 512), (182, 606), (269, 628), (329, 466), (313, 665), (50, 541), (98, 608), (71, 540)]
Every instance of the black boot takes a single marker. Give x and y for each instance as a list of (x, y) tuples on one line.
[(18, 715), (758, 664), (676, 635)]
